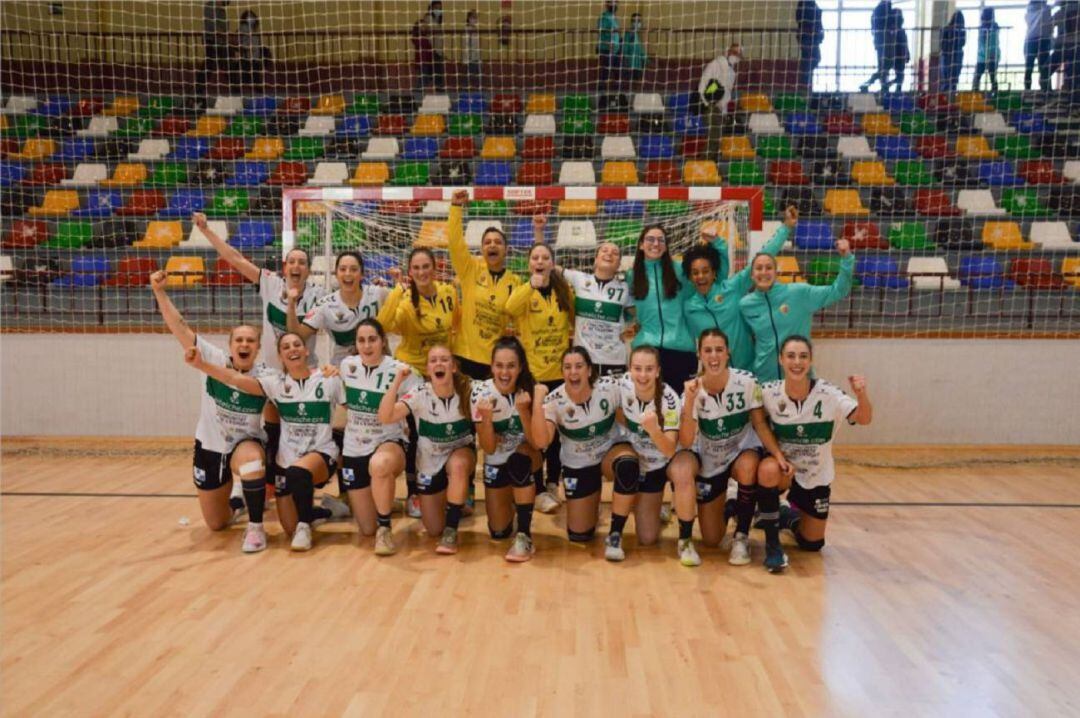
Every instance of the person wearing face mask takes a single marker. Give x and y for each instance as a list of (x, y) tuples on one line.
[(634, 53), (253, 54), (608, 45), (472, 49), (716, 89), (427, 40)]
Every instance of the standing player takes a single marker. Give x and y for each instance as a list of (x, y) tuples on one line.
[(445, 455), (485, 287), (501, 409), (722, 420), (374, 453), (805, 414), (229, 439), (582, 410), (307, 454)]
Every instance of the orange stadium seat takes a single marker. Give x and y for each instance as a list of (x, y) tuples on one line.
[(371, 173), (700, 172), (329, 105), (56, 202), (737, 148), (185, 271), (161, 235), (266, 148), (126, 175), (619, 173), (496, 148)]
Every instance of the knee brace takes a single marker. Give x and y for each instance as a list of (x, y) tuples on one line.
[(807, 544), (297, 477), (519, 466), (503, 533), (581, 536), (627, 475)]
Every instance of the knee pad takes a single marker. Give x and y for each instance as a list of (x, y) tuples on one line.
[(503, 533), (339, 439), (298, 477), (627, 475), (581, 536), (519, 466), (807, 544)]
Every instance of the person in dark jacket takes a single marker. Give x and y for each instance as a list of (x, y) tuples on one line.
[(953, 38), (880, 29), (811, 33), (897, 52)]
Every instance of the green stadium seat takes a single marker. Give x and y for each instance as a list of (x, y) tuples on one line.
[(305, 148), (1023, 203), (623, 232), (1010, 102), (488, 207), (411, 174), (136, 127), (667, 207), (157, 107), (243, 126), (909, 235), (744, 173), (71, 235), (229, 202), (1016, 147), (577, 103), (578, 124), (916, 124), (25, 126), (347, 235), (169, 174), (822, 271), (912, 172), (774, 147), (462, 125), (789, 103), (364, 105)]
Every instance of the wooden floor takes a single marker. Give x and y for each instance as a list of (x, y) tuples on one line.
[(947, 590)]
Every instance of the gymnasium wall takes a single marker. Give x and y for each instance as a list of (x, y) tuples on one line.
[(925, 391)]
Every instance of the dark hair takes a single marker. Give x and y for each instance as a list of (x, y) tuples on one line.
[(581, 351), (350, 253), (797, 338), (640, 289), (288, 334), (701, 251), (493, 228), (525, 379), (987, 16), (559, 284), (414, 293), (713, 332), (378, 327), (257, 330), (249, 15), (307, 257), (658, 390)]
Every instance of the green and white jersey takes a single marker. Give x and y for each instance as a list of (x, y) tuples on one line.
[(650, 457), (364, 387), (599, 315), (723, 421), (442, 426), (586, 430), (806, 429), (275, 316), (305, 407), (227, 416), (509, 433), (339, 320)]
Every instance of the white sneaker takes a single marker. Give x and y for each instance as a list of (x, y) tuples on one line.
[(301, 539), (384, 542), (339, 510), (254, 538), (546, 503), (688, 555), (522, 550), (665, 513), (613, 550), (740, 550), (412, 506)]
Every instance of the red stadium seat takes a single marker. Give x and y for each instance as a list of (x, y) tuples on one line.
[(88, 107), (288, 174), (538, 148), (401, 206), (693, 148), (505, 105), (535, 173), (1035, 274), (295, 106), (143, 202), (228, 148), (935, 102), (662, 172), (458, 148), (8, 146), (613, 125), (390, 125), (223, 275), (1040, 172), (173, 126), (934, 148), (863, 235), (787, 172), (531, 208), (841, 123), (132, 272), (26, 233), (935, 203), (46, 174)]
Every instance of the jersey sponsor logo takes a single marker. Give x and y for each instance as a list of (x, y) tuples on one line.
[(810, 433), (199, 475), (305, 412), (229, 399), (588, 432), (570, 484), (444, 433)]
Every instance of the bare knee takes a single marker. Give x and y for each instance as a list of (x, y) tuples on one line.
[(769, 474)]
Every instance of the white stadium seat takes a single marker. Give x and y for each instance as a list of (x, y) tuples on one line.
[(226, 106), (435, 105), (577, 173), (381, 148), (86, 175), (931, 265), (617, 147), (855, 148), (647, 102), (539, 125), (576, 234), (99, 127), (1052, 236), (863, 102), (150, 150), (991, 123), (197, 239), (978, 201), (330, 174), (317, 126), (765, 123)]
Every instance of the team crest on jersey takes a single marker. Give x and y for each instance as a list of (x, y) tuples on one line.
[(592, 430), (719, 298), (363, 396), (287, 390), (598, 306), (570, 483), (570, 413), (784, 309), (301, 409), (235, 397), (352, 370), (800, 430), (782, 406), (340, 316)]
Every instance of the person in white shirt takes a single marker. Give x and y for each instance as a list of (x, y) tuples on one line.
[(716, 90)]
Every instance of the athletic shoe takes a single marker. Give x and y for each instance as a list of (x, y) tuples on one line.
[(339, 510), (665, 513), (254, 538), (775, 558), (740, 550), (301, 539), (384, 542), (613, 550), (688, 555), (448, 542), (546, 503), (788, 516), (412, 506), (522, 550)]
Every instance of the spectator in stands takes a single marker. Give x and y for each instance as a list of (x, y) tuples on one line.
[(716, 90), (953, 39), (1066, 44), (608, 44), (215, 43), (472, 49), (427, 41), (253, 54), (989, 49), (1038, 43), (897, 50), (634, 53), (881, 32), (811, 33)]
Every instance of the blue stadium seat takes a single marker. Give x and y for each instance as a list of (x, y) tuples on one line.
[(980, 272), (493, 173), (803, 123), (680, 102), (421, 148), (470, 103), (248, 174), (521, 234), (100, 203), (378, 265), (354, 126), (657, 147), (11, 173), (86, 271), (894, 148), (898, 103), (811, 234), (252, 234), (687, 124), (76, 149), (627, 208), (1029, 122), (882, 272), (999, 173), (182, 203), (190, 148), (260, 105), (53, 107)]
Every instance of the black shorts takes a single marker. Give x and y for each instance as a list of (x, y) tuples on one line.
[(355, 473), (582, 483), (496, 477), (652, 482), (281, 489), (429, 485), (211, 470), (812, 502), (474, 370), (710, 488), (410, 448)]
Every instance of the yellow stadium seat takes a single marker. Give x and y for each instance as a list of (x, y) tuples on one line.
[(371, 173), (844, 201), (3, 122), (972, 102), (35, 149), (433, 235), (756, 102), (266, 148), (736, 148), (878, 123), (185, 271), (788, 271), (208, 126), (698, 172), (540, 104), (329, 105), (428, 125), (974, 147), (577, 207), (1004, 235), (1070, 270), (619, 173), (161, 235), (57, 201), (723, 229), (122, 106), (126, 175), (498, 148), (870, 173)]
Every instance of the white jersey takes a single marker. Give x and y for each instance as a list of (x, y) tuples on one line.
[(649, 456), (305, 407), (806, 429), (586, 430), (339, 320), (442, 427), (227, 415), (599, 310), (364, 389), (723, 421), (275, 314), (509, 433)]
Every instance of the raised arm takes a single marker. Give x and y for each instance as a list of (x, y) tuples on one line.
[(761, 427), (821, 297), (865, 411), (388, 313), (173, 319), (391, 410), (539, 221), (292, 322), (543, 430), (243, 382), (226, 251), (741, 281), (460, 259)]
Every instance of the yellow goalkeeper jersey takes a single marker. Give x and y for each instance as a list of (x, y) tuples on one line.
[(421, 327), (544, 328)]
